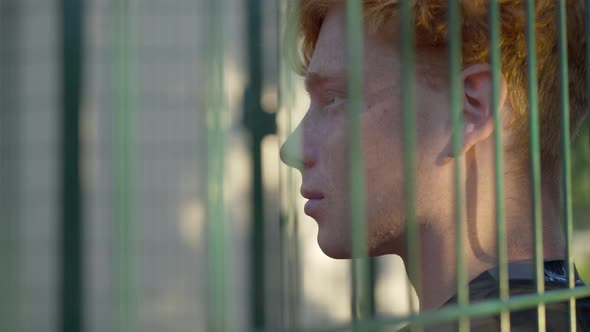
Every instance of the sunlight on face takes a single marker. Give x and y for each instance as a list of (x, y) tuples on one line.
[(319, 147)]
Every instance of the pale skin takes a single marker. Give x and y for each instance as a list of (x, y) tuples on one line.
[(318, 148)]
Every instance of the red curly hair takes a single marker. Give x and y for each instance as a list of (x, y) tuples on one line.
[(431, 33)]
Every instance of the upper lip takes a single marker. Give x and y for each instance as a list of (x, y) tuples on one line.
[(311, 194)]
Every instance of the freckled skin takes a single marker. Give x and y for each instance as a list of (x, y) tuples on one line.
[(319, 149), (321, 142)]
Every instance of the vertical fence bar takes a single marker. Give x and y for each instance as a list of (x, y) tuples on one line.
[(535, 158), (360, 264), (253, 95), (259, 123), (587, 28), (495, 59), (11, 259), (217, 242), (124, 258), (455, 42), (566, 159), (71, 288), (408, 72), (289, 217)]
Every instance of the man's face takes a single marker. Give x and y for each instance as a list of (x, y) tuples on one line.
[(319, 147)]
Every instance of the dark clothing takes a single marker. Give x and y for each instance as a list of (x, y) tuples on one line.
[(521, 281)]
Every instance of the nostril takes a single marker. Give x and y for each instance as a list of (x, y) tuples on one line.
[(308, 163)]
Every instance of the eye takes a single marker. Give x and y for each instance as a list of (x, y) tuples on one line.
[(334, 100)]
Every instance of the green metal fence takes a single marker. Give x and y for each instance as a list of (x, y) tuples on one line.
[(267, 309)]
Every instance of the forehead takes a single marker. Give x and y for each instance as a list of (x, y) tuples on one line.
[(329, 56)]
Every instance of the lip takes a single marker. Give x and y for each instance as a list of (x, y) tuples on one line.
[(312, 207), (311, 194)]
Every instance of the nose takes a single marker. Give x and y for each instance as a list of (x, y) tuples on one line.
[(294, 152)]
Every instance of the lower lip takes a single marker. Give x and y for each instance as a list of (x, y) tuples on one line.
[(312, 207)]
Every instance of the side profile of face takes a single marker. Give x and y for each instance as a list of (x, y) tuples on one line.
[(319, 147)]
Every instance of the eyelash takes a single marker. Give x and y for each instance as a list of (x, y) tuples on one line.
[(333, 101), (328, 100)]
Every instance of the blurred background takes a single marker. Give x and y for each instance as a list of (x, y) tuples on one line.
[(143, 139)]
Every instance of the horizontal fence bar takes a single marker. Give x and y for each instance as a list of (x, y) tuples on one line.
[(474, 310)]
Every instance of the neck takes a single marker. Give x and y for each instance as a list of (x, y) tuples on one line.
[(438, 259), (438, 267)]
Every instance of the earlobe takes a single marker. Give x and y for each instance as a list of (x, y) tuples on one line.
[(476, 134), (471, 136)]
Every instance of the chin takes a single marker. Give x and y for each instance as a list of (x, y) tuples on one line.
[(335, 253), (334, 248)]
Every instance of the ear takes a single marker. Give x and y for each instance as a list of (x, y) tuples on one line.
[(478, 115)]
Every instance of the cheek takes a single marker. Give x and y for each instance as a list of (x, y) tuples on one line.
[(333, 160), (382, 144), (383, 158), (383, 150)]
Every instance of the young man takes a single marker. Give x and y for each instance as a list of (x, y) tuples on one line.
[(319, 147)]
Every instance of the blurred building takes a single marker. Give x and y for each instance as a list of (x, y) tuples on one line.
[(167, 88)]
